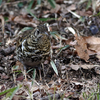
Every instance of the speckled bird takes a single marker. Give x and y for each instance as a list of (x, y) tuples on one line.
[(33, 48)]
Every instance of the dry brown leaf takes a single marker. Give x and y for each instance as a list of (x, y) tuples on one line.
[(84, 13), (76, 67), (23, 21), (56, 9), (69, 41), (52, 89), (15, 97), (46, 12), (32, 87), (95, 47), (68, 94), (51, 82), (90, 52), (92, 40), (88, 66), (94, 44), (81, 48), (20, 78), (72, 7)]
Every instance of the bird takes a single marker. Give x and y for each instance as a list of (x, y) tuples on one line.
[(34, 47)]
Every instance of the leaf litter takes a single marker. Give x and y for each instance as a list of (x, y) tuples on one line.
[(75, 56)]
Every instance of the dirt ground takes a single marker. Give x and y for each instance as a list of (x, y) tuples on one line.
[(75, 50)]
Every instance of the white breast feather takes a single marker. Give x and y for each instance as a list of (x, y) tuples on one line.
[(23, 47)]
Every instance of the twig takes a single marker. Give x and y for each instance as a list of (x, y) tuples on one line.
[(3, 30)]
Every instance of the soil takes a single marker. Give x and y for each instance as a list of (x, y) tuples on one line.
[(78, 77)]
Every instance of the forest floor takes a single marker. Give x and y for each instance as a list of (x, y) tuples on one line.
[(75, 38)]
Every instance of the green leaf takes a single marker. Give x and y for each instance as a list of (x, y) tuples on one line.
[(52, 3), (63, 48), (15, 67), (98, 96), (0, 2), (0, 43), (98, 14), (46, 19), (34, 75), (10, 90), (20, 4), (12, 93), (56, 35), (24, 29), (54, 67), (8, 1), (38, 2), (18, 72), (28, 10), (89, 4), (82, 18), (4, 92), (5, 18), (30, 4), (29, 70), (98, 92)]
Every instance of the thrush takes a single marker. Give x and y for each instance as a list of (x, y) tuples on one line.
[(33, 47)]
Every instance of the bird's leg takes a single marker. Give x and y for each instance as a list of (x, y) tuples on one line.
[(25, 72), (40, 74), (43, 69), (39, 69)]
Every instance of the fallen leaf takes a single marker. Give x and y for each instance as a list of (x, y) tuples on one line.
[(24, 21), (81, 48), (56, 9), (92, 40), (72, 7), (76, 67), (20, 78), (91, 52), (88, 66), (94, 47)]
